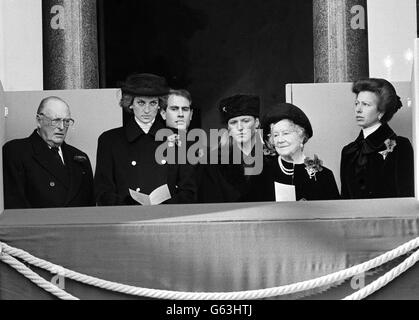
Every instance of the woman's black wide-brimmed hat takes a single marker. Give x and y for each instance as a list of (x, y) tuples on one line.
[(286, 111), (146, 85), (239, 105)]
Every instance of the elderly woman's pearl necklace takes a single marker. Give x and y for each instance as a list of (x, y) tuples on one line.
[(288, 172)]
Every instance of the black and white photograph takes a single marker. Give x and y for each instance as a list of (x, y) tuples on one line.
[(209, 157)]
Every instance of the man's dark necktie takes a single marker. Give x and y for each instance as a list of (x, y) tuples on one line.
[(57, 155)]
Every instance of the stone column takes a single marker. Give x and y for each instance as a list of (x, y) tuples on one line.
[(70, 50), (340, 40)]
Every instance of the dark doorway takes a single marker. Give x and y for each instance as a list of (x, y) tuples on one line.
[(212, 48)]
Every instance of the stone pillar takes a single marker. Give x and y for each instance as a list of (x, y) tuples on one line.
[(340, 40), (70, 50)]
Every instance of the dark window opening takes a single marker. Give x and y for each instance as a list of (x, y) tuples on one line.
[(212, 48)]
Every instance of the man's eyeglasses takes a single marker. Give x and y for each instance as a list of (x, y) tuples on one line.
[(56, 122)]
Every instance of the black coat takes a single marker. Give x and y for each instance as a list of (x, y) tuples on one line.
[(126, 160), (33, 178), (321, 187), (222, 183), (365, 174)]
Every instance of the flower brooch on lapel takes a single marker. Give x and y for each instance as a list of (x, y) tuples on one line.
[(80, 159), (313, 166), (269, 148), (390, 145), (173, 140)]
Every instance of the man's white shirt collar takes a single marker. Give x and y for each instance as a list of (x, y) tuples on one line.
[(60, 152)]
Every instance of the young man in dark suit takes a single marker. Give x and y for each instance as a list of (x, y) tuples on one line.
[(42, 171)]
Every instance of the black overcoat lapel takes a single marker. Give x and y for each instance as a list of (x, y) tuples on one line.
[(77, 167), (43, 155)]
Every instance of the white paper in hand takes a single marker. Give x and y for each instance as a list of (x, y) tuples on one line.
[(140, 197), (159, 195), (284, 192)]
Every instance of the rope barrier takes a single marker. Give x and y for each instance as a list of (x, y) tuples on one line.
[(385, 279), (35, 278), (239, 295)]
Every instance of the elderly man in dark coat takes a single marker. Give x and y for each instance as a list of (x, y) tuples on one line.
[(42, 171), (126, 156)]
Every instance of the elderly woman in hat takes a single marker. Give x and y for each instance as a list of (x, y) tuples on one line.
[(126, 162), (288, 174), (379, 163), (232, 178)]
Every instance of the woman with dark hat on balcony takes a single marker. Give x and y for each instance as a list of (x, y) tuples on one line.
[(126, 156), (238, 156), (288, 174), (379, 163)]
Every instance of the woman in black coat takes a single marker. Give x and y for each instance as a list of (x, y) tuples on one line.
[(230, 173), (379, 163), (286, 167), (126, 156)]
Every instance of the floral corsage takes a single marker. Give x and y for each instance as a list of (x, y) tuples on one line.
[(173, 140), (269, 148), (313, 166), (390, 145), (80, 158)]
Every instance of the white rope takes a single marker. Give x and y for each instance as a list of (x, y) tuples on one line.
[(35, 278), (240, 295), (385, 279)]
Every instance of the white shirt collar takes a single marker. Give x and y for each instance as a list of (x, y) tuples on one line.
[(371, 130), (60, 151), (146, 127)]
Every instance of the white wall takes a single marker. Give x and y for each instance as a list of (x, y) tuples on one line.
[(392, 28), (21, 44), (94, 111), (329, 106)]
